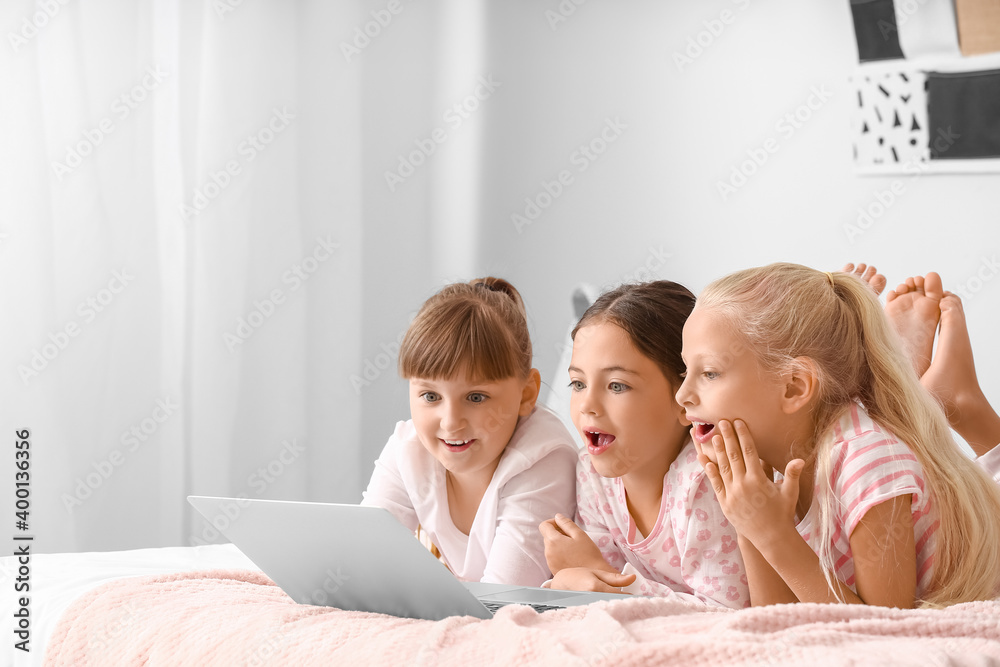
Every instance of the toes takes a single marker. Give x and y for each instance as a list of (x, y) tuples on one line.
[(878, 283), (848, 268), (932, 286), (951, 301)]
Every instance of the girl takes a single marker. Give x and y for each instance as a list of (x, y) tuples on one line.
[(478, 465), (876, 505), (642, 496)]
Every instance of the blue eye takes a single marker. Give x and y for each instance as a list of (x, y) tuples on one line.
[(710, 375), (618, 387), (430, 397), (576, 385), (477, 397)]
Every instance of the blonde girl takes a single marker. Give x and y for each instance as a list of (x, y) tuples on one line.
[(644, 504), (876, 504), (478, 465)]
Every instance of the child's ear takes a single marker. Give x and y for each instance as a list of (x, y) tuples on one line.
[(529, 394), (801, 386)]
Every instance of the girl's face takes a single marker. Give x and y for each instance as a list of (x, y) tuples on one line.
[(622, 404), (466, 424), (724, 380)]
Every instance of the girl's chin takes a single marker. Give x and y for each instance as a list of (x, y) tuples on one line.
[(609, 467)]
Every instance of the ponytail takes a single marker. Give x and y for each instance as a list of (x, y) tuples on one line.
[(786, 311), (967, 501)]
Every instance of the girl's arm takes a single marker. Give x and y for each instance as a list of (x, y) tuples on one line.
[(885, 566), (586, 579), (763, 514), (591, 497), (568, 546), (386, 488), (582, 555), (766, 585), (547, 488)]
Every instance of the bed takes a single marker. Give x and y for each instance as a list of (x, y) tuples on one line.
[(209, 605)]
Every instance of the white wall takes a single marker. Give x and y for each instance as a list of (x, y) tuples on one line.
[(655, 187), (653, 192)]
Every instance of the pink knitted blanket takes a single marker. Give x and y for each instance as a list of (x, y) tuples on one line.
[(242, 618)]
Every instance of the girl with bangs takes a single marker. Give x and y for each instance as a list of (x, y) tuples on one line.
[(479, 465)]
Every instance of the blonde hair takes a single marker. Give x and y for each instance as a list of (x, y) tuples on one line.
[(479, 326), (785, 311)]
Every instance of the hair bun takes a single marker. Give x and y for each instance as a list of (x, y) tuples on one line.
[(500, 285)]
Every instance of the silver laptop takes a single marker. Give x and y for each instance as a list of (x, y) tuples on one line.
[(361, 559)]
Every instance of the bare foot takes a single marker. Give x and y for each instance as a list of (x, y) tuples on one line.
[(869, 274), (914, 310), (951, 378)]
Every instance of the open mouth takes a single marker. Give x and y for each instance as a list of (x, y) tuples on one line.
[(457, 445), (598, 441), (702, 431)]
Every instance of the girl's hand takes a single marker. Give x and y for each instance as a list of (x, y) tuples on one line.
[(568, 546), (760, 510), (706, 453), (586, 579)]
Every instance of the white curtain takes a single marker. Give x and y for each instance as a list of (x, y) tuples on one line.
[(181, 261)]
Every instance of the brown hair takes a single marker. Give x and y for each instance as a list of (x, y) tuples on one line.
[(786, 311), (653, 316), (479, 325)]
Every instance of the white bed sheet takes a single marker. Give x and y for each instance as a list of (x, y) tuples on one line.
[(58, 579)]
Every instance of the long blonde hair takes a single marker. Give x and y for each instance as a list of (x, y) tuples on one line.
[(785, 311)]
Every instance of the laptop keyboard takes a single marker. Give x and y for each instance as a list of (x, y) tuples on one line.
[(494, 606)]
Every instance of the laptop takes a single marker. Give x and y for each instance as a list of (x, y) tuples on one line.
[(361, 558)]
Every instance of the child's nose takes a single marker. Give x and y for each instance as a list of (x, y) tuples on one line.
[(452, 419), (684, 396), (588, 402)]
